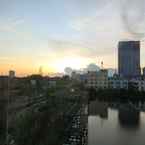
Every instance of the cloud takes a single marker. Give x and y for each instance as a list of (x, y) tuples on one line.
[(85, 7), (97, 34), (133, 17), (6, 59), (10, 24), (125, 17), (81, 48)]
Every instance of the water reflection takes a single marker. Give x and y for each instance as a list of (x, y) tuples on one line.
[(129, 117), (116, 123), (97, 108)]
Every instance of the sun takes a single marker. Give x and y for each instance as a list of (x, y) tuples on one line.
[(73, 62)]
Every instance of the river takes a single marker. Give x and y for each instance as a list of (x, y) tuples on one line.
[(116, 123)]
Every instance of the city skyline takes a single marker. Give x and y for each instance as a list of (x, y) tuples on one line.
[(58, 34)]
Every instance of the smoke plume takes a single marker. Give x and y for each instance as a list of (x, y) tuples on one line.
[(133, 17)]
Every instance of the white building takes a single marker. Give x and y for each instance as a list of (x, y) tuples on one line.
[(139, 84), (97, 79), (117, 82)]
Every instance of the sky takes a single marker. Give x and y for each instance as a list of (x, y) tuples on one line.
[(55, 34)]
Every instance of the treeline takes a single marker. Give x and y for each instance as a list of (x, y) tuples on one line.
[(116, 94)]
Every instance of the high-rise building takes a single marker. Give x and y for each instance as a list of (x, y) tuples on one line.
[(144, 71), (129, 59)]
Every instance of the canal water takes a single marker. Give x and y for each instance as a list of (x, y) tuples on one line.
[(116, 123)]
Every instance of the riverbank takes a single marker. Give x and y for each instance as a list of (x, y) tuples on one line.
[(116, 95)]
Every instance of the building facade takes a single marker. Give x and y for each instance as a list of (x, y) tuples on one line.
[(129, 59), (138, 84), (144, 71), (97, 80), (117, 82)]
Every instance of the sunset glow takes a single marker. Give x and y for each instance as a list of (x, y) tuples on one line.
[(55, 34), (75, 63)]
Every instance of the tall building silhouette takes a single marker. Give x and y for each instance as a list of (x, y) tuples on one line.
[(129, 59), (144, 71)]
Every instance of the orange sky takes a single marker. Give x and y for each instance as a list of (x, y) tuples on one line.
[(57, 34)]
